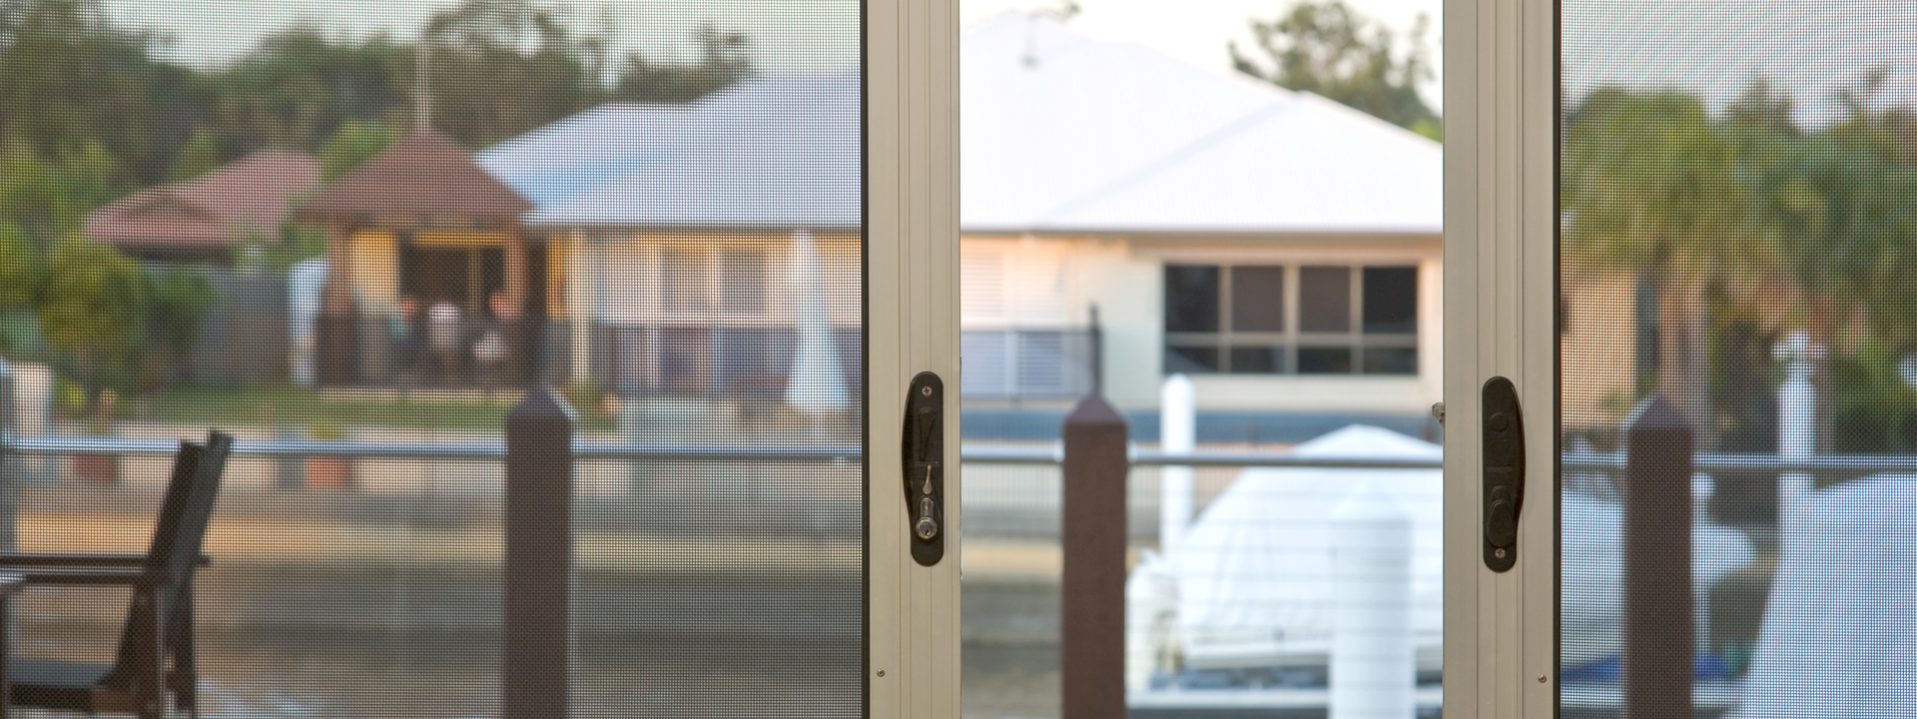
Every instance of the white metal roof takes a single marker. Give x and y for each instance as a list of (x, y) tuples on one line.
[(1062, 133), (777, 151), (1059, 133)]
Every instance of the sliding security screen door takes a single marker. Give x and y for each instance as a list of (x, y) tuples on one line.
[(567, 348), (1738, 199), (1717, 203)]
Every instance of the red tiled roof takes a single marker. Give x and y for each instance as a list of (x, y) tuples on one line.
[(424, 175), (221, 207)]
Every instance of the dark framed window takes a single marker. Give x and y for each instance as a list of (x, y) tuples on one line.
[(1291, 319), (1192, 294), (742, 282)]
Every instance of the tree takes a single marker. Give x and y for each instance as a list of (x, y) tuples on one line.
[(1329, 49), (1649, 188), (93, 311), (69, 77), (21, 273), (21, 269), (725, 58), (48, 198), (1833, 207), (299, 87), (200, 155), (354, 144), (498, 68), (177, 301)]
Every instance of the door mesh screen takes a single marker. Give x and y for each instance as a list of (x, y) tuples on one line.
[(409, 253), (1738, 223)]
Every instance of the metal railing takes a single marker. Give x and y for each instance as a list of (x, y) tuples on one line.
[(1045, 454), (1052, 454)]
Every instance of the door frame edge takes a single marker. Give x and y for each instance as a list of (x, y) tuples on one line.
[(910, 76), (1500, 301)]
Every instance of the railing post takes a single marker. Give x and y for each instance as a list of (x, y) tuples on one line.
[(1796, 424), (1178, 433), (1098, 353), (535, 665), (291, 470), (10, 467), (1093, 624), (1373, 663), (1659, 650)]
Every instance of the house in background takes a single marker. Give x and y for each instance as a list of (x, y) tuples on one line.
[(683, 229), (420, 220), (1282, 249), (210, 218)]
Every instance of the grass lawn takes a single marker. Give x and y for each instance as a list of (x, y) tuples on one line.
[(271, 406)]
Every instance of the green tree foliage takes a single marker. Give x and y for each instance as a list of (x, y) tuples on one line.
[(299, 87), (48, 197), (21, 269), (69, 78), (177, 302), (354, 144), (1668, 208), (1751, 225), (200, 155), (1332, 50), (93, 310), (498, 68), (725, 58)]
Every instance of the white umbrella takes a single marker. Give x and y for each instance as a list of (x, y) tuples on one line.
[(816, 383)]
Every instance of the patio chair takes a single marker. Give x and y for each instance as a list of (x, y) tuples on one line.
[(159, 623)]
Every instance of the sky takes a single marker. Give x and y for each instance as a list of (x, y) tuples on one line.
[(786, 33), (793, 34), (1714, 48), (1197, 31)]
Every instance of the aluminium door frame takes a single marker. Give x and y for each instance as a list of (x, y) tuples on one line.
[(1500, 266), (910, 51)]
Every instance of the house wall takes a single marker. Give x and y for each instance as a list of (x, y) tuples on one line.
[(1124, 278), (1599, 349), (375, 260), (649, 279), (622, 278), (375, 263)]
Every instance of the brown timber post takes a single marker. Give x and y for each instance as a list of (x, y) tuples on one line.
[(1659, 650), (1093, 603), (536, 661)]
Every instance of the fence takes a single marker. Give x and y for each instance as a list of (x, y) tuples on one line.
[(697, 361), (1029, 363), (383, 350), (244, 337), (1653, 472)]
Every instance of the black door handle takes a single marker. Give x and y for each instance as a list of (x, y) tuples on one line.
[(924, 470), (1503, 469)]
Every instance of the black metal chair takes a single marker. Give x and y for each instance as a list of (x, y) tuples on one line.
[(156, 654)]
